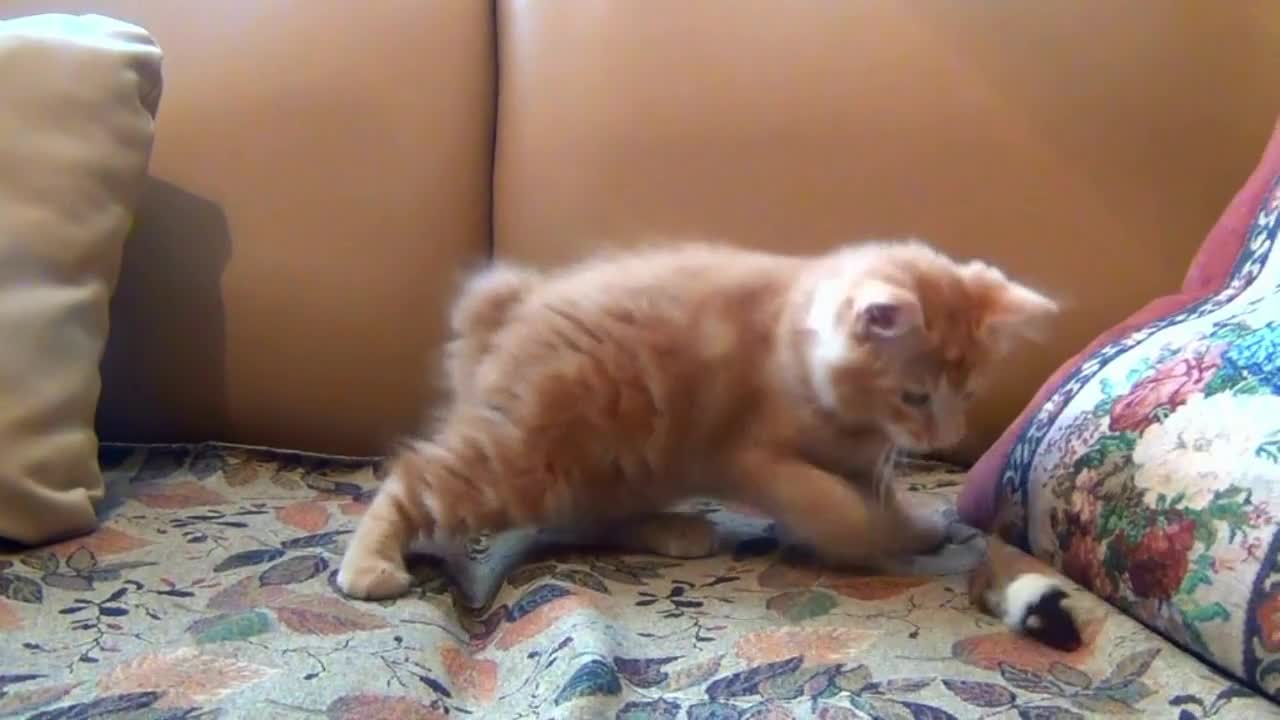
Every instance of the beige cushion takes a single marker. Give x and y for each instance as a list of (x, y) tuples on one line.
[(78, 95)]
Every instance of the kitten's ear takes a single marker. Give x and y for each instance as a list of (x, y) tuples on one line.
[(1017, 313), (885, 311)]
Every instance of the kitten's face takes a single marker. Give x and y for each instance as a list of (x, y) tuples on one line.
[(903, 337)]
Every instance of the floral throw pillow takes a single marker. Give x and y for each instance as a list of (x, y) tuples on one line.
[(1151, 473)]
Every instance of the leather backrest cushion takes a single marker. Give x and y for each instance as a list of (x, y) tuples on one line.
[(321, 177), (1084, 146)]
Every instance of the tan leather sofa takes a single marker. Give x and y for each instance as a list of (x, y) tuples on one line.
[(324, 174), (326, 170)]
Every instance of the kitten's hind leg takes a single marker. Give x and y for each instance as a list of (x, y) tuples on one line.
[(670, 534)]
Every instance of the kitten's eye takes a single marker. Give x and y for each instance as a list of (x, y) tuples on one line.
[(915, 399)]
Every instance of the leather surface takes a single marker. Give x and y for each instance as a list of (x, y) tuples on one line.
[(321, 175), (77, 100), (1084, 146)]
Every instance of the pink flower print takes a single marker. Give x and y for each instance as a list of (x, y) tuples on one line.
[(1169, 386)]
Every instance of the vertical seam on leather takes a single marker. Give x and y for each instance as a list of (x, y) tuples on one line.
[(495, 120)]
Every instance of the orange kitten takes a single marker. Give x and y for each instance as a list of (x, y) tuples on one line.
[(601, 395)]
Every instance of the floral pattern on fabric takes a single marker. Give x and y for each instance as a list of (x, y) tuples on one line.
[(1152, 477), (209, 592)]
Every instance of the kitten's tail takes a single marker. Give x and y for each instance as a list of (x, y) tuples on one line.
[(1031, 603), (488, 300), (482, 309)]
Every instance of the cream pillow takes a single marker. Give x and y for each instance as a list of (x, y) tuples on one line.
[(78, 96)]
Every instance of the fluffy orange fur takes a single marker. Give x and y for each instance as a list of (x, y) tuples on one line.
[(601, 395)]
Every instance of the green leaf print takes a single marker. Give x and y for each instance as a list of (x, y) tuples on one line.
[(1206, 613), (799, 605), (1201, 573), (1193, 614), (1269, 450), (1249, 387), (1206, 531), (1109, 520), (1222, 381), (1114, 559), (1231, 512), (230, 627), (1103, 448), (1135, 526), (1234, 491)]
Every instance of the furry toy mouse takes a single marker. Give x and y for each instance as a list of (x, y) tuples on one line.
[(1031, 603)]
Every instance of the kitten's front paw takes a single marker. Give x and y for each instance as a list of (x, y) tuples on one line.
[(372, 578)]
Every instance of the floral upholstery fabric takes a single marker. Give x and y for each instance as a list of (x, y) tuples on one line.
[(208, 592), (1152, 475)]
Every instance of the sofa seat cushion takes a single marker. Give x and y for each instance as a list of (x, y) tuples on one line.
[(210, 588), (1149, 467)]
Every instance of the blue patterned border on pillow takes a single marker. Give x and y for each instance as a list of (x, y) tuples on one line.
[(1152, 475)]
